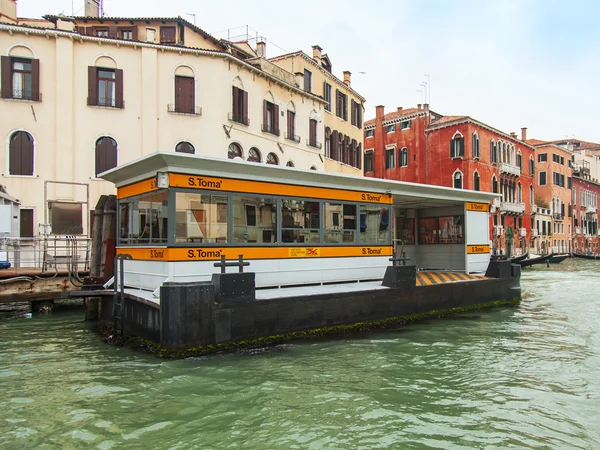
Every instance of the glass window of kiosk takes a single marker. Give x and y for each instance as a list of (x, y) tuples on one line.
[(405, 230), (200, 217), (300, 221), (340, 223), (450, 230), (254, 219), (143, 220), (374, 224)]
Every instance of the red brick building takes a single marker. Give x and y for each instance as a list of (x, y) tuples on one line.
[(419, 145)]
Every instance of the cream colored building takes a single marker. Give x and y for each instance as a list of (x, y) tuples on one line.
[(81, 95), (343, 110)]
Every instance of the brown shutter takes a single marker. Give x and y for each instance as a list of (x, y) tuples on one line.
[(92, 86), (113, 32), (191, 95), (276, 119), (234, 109), (35, 79), (245, 112), (352, 113), (134, 33), (359, 157), (6, 78), (265, 125), (178, 96), (26, 222), (80, 30), (119, 88), (335, 145), (90, 31), (359, 113)]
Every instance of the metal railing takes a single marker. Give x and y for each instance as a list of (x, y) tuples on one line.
[(238, 118), (517, 208), (177, 109), (52, 254)]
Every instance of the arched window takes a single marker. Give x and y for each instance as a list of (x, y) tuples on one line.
[(234, 151), (403, 157), (254, 155), (520, 193), (289, 164), (531, 197), (185, 147), (494, 184), (493, 153), (328, 142), (476, 181), (106, 154), (185, 91), (457, 146), (520, 160), (21, 154), (475, 146), (458, 180), (272, 159)]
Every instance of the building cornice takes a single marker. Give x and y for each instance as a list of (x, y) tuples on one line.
[(399, 119), (434, 127), (323, 71), (49, 32)]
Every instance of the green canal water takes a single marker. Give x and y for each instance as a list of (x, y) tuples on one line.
[(521, 377)]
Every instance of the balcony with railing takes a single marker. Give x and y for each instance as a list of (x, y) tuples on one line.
[(314, 144), (534, 209), (558, 216), (512, 208), (239, 118), (590, 210), (509, 169), (26, 95), (178, 109), (535, 232), (292, 137), (270, 128)]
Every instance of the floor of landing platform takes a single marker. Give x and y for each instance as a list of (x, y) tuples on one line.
[(424, 278)]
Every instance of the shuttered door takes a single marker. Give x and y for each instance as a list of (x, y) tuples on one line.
[(26, 222), (312, 132), (184, 95), (106, 155), (21, 154)]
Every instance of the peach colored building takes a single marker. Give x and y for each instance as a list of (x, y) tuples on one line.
[(81, 95), (553, 183)]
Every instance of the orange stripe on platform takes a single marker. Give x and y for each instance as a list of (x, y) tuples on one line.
[(418, 283), (436, 277), (453, 276), (462, 276), (424, 279), (444, 276)]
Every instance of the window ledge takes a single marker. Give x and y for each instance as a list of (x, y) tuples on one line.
[(238, 120), (106, 107), (35, 175), (457, 157), (23, 100), (197, 111)]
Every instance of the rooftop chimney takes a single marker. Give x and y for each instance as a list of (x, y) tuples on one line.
[(400, 110), (379, 111), (524, 134), (317, 54), (261, 49), (426, 106), (513, 134), (419, 106), (92, 8), (347, 78)]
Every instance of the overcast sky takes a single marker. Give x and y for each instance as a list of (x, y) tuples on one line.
[(508, 63)]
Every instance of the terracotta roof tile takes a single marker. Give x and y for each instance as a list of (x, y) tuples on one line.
[(535, 142), (447, 119), (396, 115)]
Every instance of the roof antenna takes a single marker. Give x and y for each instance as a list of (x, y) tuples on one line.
[(193, 15)]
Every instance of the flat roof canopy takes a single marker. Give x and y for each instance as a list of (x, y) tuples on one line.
[(405, 195)]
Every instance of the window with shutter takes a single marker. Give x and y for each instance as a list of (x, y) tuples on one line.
[(185, 101), (270, 118), (21, 154), (327, 96), (240, 106), (168, 35), (106, 154), (20, 78), (312, 133), (307, 80), (291, 127)]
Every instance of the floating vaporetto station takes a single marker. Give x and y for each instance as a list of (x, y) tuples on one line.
[(214, 252)]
